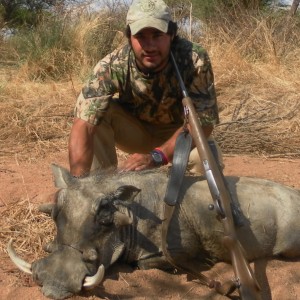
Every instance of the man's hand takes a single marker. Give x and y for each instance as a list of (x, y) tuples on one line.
[(137, 162)]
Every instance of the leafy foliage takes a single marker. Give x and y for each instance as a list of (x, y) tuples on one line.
[(64, 44), (27, 12)]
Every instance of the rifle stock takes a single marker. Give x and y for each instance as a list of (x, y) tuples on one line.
[(246, 282)]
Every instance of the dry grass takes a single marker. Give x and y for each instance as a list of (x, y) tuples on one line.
[(258, 103), (35, 117), (30, 229), (261, 115), (257, 72)]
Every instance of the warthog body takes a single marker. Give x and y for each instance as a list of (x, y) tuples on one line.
[(110, 217)]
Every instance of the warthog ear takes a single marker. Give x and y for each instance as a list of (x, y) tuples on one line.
[(123, 218), (62, 177), (126, 193), (110, 209), (123, 215)]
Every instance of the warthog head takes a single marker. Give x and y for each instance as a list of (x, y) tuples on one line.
[(88, 223)]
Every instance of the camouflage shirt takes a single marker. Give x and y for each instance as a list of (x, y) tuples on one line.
[(154, 98)]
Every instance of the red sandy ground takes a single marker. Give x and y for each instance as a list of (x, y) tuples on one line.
[(34, 178)]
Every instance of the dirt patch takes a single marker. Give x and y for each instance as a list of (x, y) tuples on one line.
[(31, 181)]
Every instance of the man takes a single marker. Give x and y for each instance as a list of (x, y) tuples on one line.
[(134, 101)]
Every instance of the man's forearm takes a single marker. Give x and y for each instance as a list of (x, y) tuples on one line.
[(81, 147), (80, 159), (168, 147)]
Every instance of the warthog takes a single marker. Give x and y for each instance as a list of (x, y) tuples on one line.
[(111, 217)]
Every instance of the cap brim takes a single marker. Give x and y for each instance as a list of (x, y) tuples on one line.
[(161, 25)]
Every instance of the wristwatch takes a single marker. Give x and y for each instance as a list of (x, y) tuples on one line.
[(157, 158)]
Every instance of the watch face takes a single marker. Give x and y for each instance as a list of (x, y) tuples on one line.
[(158, 160)]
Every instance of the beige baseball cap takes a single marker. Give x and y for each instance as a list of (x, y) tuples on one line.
[(148, 13)]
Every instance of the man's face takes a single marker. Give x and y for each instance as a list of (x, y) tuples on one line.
[(151, 48)]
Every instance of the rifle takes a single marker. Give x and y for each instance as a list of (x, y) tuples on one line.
[(245, 280)]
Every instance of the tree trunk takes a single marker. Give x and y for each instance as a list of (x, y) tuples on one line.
[(294, 7)]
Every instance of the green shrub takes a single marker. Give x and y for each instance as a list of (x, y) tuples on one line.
[(64, 45)]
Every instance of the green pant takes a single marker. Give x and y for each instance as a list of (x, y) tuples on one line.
[(120, 129)]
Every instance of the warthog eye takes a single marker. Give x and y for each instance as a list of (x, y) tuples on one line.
[(104, 203), (104, 215)]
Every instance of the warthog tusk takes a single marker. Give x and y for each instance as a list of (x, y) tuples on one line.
[(19, 262), (92, 281)]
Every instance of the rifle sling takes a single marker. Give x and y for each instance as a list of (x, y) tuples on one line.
[(180, 160), (179, 164)]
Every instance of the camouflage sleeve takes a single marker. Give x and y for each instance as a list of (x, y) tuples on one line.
[(202, 90), (93, 101)]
